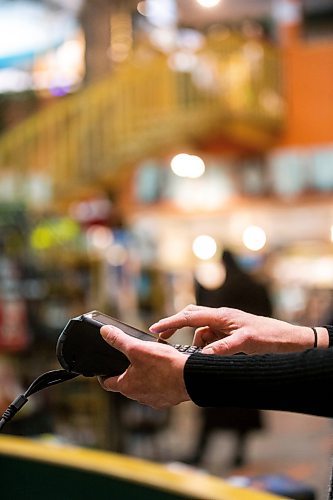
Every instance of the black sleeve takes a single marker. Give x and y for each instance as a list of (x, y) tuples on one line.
[(295, 382), (330, 334)]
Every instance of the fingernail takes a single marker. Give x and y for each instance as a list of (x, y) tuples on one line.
[(207, 350)]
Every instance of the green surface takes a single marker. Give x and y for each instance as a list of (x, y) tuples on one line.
[(33, 480)]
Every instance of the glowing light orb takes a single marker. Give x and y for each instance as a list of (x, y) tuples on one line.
[(204, 247), (185, 165), (254, 238)]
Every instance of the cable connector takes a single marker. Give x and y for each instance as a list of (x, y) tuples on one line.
[(42, 382), (12, 409)]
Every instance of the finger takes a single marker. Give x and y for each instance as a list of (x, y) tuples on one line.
[(203, 336), (172, 323), (232, 344), (109, 383), (118, 339), (193, 316), (167, 333)]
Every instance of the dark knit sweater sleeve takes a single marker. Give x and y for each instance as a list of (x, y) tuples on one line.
[(295, 382), (330, 334)]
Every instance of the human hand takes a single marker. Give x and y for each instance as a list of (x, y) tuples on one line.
[(155, 374), (229, 331)]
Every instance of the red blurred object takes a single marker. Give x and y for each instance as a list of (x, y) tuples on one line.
[(14, 331)]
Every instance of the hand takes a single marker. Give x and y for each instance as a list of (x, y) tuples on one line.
[(155, 374), (229, 331)]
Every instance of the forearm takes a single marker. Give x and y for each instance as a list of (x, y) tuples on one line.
[(296, 382)]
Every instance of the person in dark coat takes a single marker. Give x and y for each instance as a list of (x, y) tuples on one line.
[(240, 291)]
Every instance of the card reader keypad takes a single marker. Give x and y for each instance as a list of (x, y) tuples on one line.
[(187, 349)]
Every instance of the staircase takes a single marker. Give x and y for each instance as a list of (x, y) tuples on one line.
[(97, 134)]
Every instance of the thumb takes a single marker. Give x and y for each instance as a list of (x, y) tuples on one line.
[(118, 339), (227, 346)]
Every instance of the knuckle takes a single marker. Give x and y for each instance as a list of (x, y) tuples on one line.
[(191, 307), (224, 316), (187, 313), (220, 315), (216, 348), (226, 345), (246, 337), (131, 351), (111, 338), (222, 346)]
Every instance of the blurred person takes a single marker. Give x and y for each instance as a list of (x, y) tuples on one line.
[(240, 291), (284, 367)]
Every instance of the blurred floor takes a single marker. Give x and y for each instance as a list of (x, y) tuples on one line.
[(298, 446)]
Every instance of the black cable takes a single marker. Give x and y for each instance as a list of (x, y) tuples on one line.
[(48, 379), (45, 380)]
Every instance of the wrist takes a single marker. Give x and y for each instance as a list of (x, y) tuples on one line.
[(310, 339), (322, 337)]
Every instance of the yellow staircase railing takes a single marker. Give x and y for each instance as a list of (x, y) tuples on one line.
[(144, 107)]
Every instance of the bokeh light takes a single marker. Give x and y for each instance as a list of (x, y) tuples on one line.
[(116, 255), (204, 247), (185, 165), (254, 238), (99, 236), (208, 3), (210, 275)]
